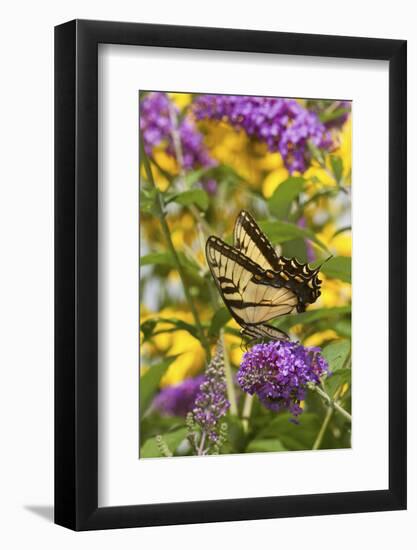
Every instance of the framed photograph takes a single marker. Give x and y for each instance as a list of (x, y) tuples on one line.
[(230, 275)]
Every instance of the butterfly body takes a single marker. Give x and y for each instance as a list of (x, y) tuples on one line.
[(255, 283)]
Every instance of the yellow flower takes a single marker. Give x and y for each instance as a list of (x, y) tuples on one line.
[(190, 358), (319, 337), (166, 162), (191, 355), (334, 293), (181, 100), (234, 148), (323, 176), (182, 229), (342, 244), (270, 161), (273, 180)]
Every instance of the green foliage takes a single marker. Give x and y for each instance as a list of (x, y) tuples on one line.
[(194, 176), (328, 116), (337, 354), (151, 448), (148, 327), (279, 232), (147, 201), (166, 259), (339, 378), (265, 445), (149, 382), (337, 167), (220, 318), (198, 197), (308, 317), (338, 268), (294, 437), (284, 195)]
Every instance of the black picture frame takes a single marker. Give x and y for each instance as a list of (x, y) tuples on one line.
[(76, 272)]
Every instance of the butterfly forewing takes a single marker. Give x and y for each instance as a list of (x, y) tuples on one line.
[(239, 280), (252, 242)]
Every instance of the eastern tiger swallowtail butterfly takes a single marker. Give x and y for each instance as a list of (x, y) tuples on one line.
[(255, 283)]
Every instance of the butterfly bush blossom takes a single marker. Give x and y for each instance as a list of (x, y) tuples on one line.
[(157, 127), (178, 400), (278, 372), (283, 124), (206, 431)]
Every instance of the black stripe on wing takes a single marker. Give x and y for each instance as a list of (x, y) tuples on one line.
[(264, 331), (216, 244)]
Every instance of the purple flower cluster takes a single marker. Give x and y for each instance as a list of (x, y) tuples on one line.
[(278, 372), (283, 124), (178, 400), (211, 403), (156, 124)]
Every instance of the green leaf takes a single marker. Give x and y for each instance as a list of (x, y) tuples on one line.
[(284, 195), (149, 326), (333, 191), (173, 439), (194, 196), (292, 436), (220, 318), (295, 249), (147, 201), (265, 445), (279, 232), (333, 382), (236, 439), (158, 258), (339, 267), (168, 260), (307, 317), (194, 176), (342, 230), (344, 328), (336, 354), (332, 115), (315, 152), (149, 382), (337, 167)]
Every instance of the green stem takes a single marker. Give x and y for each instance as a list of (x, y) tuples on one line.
[(247, 409), (332, 403), (167, 235), (230, 387), (323, 429)]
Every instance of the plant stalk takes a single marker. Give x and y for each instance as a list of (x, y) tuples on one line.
[(323, 429), (331, 403), (230, 387), (246, 412), (167, 235)]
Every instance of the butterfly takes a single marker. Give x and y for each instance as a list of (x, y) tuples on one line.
[(256, 284)]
